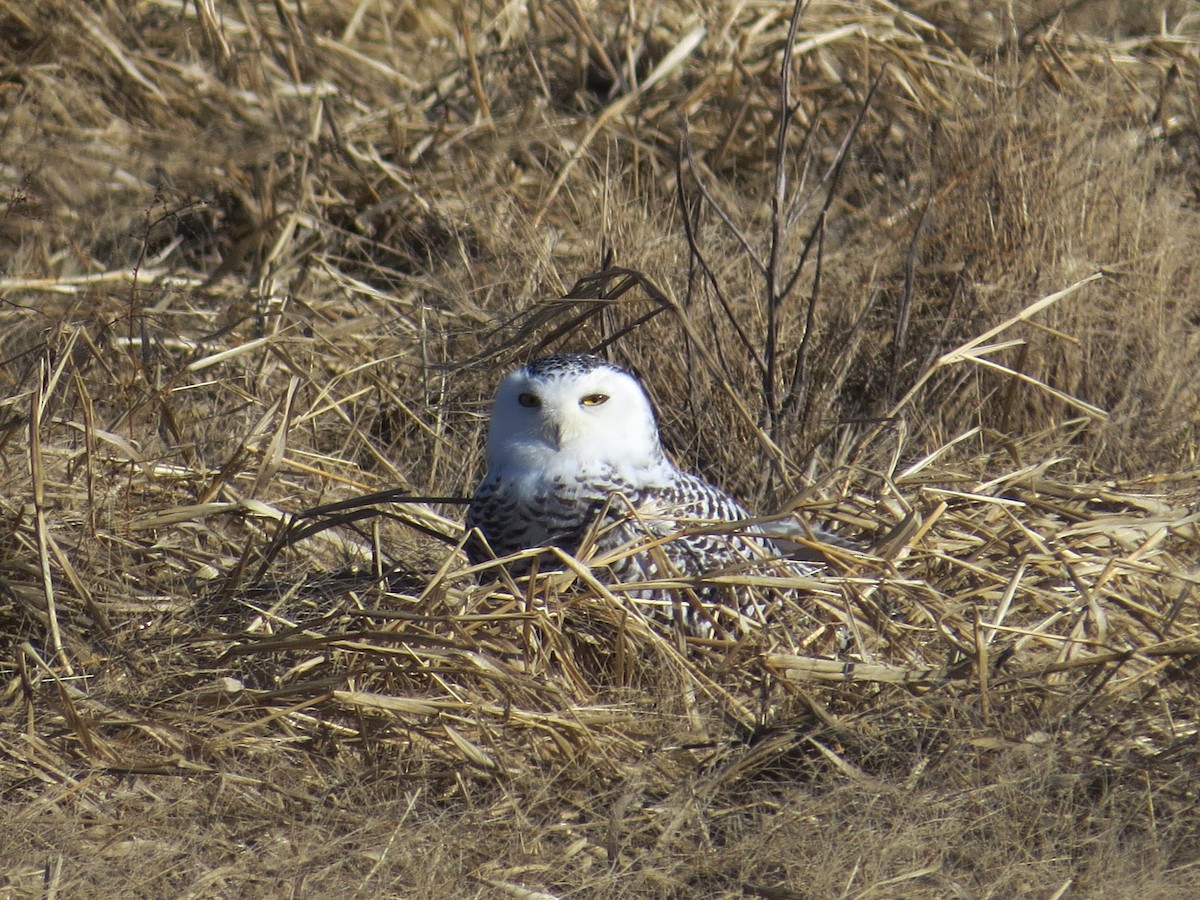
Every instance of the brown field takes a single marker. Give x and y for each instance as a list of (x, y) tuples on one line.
[(925, 270)]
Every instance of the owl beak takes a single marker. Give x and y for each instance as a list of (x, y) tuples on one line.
[(554, 435)]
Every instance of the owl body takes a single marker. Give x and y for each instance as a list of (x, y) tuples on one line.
[(573, 451)]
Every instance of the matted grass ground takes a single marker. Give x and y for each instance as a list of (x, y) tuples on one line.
[(924, 271)]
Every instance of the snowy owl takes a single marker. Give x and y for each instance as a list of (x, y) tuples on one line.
[(574, 461)]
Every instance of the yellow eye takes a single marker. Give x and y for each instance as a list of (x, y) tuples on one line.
[(527, 399), (594, 399)]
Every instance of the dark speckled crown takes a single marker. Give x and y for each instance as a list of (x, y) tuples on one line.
[(558, 365)]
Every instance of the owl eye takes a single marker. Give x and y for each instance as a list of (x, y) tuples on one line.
[(594, 399), (528, 399)]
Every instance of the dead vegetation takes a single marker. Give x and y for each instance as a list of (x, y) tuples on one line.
[(925, 270)]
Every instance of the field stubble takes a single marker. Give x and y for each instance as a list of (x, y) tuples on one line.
[(927, 273)]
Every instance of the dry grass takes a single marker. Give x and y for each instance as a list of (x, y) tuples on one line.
[(263, 259)]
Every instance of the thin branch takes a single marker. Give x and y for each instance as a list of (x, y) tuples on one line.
[(834, 175), (904, 309), (698, 254), (797, 395), (737, 233), (774, 297)]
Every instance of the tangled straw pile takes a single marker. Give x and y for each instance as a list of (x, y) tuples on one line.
[(923, 271)]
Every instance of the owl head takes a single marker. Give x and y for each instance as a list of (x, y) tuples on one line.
[(576, 408)]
